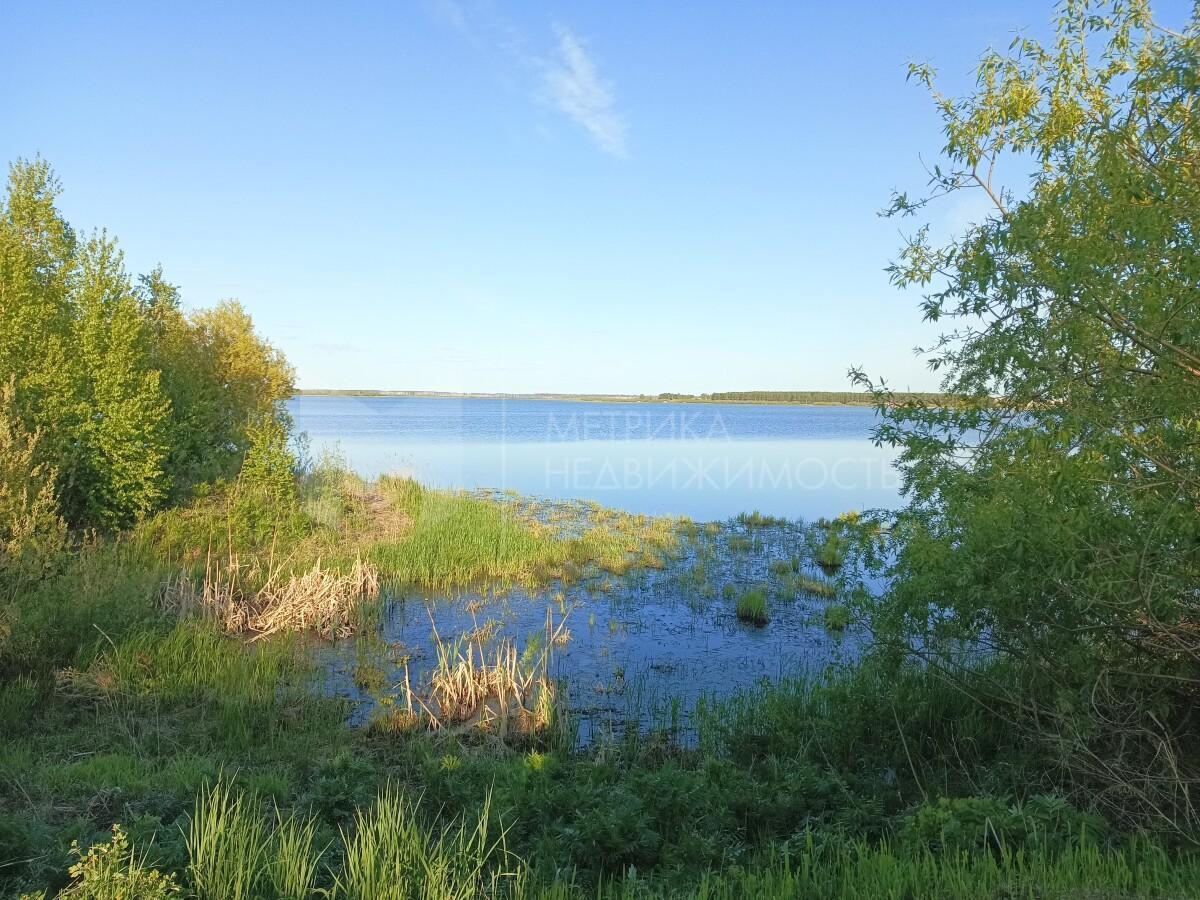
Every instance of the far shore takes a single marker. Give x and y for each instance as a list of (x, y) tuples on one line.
[(789, 398)]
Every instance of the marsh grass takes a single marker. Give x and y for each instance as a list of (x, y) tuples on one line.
[(756, 519), (458, 538), (412, 535), (752, 606), (800, 583), (837, 617), (501, 692)]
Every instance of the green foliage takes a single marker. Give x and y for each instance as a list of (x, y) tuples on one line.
[(31, 531), (112, 871), (136, 403), (953, 825), (1052, 512)]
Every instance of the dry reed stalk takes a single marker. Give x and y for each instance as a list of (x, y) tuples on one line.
[(496, 691), (317, 600)]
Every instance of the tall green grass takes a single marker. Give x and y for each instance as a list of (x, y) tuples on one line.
[(387, 853), (752, 606), (457, 538)]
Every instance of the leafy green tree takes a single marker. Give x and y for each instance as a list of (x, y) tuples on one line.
[(116, 473), (135, 400), (37, 266), (222, 379), (1053, 512)]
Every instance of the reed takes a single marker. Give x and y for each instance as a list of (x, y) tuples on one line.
[(317, 600), (502, 692)]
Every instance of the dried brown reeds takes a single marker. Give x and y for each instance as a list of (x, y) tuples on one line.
[(497, 691), (319, 600)]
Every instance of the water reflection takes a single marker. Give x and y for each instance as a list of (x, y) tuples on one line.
[(708, 462)]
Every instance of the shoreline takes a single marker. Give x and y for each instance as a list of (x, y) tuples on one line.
[(820, 398)]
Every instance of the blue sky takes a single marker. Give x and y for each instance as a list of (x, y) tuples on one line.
[(463, 195)]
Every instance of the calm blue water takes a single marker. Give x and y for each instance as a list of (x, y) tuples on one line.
[(706, 461)]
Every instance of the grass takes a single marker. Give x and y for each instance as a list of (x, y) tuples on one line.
[(388, 852), (457, 538), (408, 534), (231, 772), (807, 584), (837, 617), (756, 519), (752, 606)]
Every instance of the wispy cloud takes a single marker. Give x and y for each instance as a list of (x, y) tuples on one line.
[(575, 87), (568, 78)]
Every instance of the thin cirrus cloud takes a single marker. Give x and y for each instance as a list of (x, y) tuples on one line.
[(574, 85), (569, 79)]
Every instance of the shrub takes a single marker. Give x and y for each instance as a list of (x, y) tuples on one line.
[(31, 530), (112, 871)]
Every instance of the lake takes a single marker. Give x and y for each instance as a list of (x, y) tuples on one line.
[(705, 461)]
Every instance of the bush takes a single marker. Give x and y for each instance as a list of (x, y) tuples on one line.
[(31, 530), (112, 871), (986, 823)]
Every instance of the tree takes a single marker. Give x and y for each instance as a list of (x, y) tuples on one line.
[(222, 379), (115, 474), (136, 401), (1053, 512)]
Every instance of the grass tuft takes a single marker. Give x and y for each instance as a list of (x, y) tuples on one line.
[(752, 606)]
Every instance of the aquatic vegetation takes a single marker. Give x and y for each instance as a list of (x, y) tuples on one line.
[(782, 567), (756, 519), (461, 538), (752, 606), (824, 588), (836, 617), (740, 544), (505, 692), (831, 553)]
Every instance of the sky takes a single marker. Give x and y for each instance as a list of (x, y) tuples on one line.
[(477, 195)]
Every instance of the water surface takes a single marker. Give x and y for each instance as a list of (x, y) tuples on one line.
[(705, 461)]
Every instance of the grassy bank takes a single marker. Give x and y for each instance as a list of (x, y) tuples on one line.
[(230, 775)]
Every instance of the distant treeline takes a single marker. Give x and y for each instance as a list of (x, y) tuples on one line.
[(841, 398), (814, 398)]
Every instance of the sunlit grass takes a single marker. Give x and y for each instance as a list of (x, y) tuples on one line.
[(752, 606)]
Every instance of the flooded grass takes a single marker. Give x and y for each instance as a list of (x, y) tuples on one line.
[(752, 606), (648, 643)]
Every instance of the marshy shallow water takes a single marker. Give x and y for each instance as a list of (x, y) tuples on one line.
[(639, 649)]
